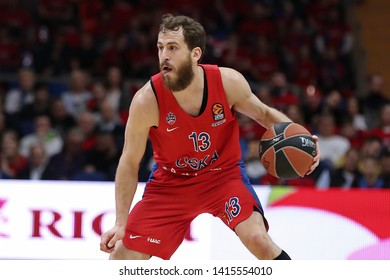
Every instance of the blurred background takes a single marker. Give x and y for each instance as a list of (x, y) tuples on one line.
[(69, 70)]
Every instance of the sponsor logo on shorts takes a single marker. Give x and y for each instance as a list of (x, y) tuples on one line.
[(134, 236), (154, 240)]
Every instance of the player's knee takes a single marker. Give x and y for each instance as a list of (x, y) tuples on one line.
[(255, 238)]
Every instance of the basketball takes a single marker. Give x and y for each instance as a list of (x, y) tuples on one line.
[(287, 150)]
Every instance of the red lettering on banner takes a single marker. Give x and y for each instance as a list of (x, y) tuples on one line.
[(97, 223), (37, 225), (78, 224), (77, 217)]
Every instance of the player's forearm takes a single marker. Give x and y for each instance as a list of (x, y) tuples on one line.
[(126, 181), (273, 116)]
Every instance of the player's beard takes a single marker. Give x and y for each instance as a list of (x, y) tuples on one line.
[(184, 77)]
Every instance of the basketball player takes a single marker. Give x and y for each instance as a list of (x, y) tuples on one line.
[(188, 111)]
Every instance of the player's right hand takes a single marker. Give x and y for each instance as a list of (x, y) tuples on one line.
[(109, 239)]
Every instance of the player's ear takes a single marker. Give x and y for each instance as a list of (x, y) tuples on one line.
[(196, 54)]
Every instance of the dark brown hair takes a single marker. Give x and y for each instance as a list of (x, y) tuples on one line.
[(193, 31)]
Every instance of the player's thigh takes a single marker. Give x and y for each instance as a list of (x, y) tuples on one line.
[(122, 253), (234, 202)]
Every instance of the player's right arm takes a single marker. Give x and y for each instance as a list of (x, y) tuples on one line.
[(143, 114)]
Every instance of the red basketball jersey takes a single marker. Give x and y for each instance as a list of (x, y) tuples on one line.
[(195, 148)]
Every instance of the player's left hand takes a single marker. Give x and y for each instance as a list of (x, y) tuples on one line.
[(316, 160)]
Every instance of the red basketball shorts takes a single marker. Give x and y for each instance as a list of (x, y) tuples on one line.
[(158, 223)]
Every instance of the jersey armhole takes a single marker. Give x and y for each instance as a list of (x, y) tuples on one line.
[(155, 94)]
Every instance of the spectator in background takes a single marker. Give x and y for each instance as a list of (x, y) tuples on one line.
[(374, 100), (109, 122), (237, 56), (334, 33), (114, 52), (39, 106), (355, 114), (382, 131), (334, 105), (71, 160), (87, 123), (264, 94), (9, 50), (98, 95), (304, 71), (116, 94), (76, 99), (354, 136), (372, 147), (282, 93), (43, 134), (2, 95), (62, 121), (385, 168), (332, 146), (55, 13), (332, 71), (255, 169), (345, 176), (85, 54), (11, 160), (53, 55), (19, 96), (294, 112), (36, 168), (249, 130), (370, 177), (104, 156), (294, 44), (312, 105), (264, 61), (2, 124)]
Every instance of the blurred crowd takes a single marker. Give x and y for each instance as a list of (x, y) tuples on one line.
[(69, 70)]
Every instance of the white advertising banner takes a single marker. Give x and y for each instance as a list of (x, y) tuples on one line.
[(64, 220)]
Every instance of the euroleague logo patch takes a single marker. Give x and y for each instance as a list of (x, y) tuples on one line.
[(218, 114)]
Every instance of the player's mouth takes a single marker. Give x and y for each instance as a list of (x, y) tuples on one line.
[(165, 69)]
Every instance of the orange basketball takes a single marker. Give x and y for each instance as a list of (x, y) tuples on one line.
[(287, 150)]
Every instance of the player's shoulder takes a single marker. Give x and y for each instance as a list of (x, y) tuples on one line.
[(144, 108), (230, 75), (145, 95), (232, 79)]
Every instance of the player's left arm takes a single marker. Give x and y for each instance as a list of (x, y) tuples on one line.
[(243, 100)]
